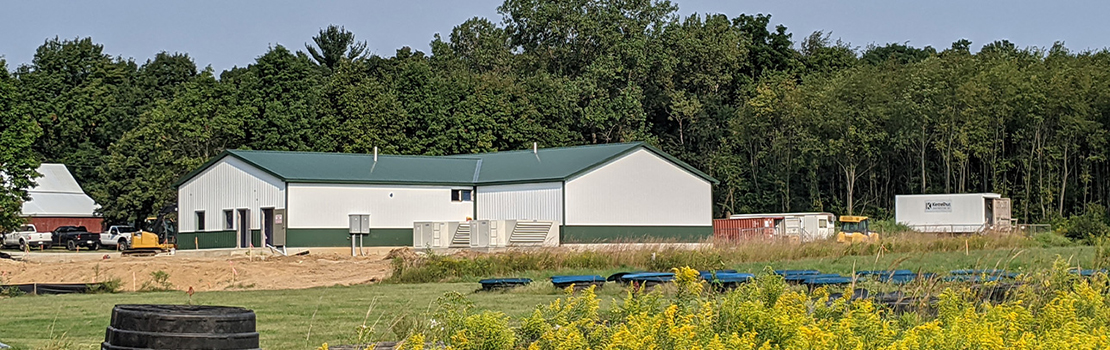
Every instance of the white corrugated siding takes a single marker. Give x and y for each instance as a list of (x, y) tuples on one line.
[(389, 206), (541, 201), (639, 189), (227, 184)]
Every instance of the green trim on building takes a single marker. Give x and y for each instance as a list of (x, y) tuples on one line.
[(256, 238), (603, 234), (402, 237), (206, 240), (338, 237)]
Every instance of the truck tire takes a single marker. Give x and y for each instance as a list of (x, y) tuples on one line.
[(122, 245), (180, 327), (23, 245), (95, 246), (71, 245)]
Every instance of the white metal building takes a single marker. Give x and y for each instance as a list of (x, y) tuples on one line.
[(956, 213), (607, 192)]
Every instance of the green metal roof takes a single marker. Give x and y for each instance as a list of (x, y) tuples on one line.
[(548, 164), (356, 167)]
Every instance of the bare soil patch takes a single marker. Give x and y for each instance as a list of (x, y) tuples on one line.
[(206, 273)]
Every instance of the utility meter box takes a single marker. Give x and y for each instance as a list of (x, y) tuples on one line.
[(359, 224)]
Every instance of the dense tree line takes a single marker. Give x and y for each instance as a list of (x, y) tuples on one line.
[(786, 125)]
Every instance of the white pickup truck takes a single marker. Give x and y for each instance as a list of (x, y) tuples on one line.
[(27, 237), (118, 236)]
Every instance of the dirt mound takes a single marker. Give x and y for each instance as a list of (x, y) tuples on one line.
[(207, 273), (406, 254)]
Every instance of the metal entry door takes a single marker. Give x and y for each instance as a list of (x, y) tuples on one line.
[(244, 228), (279, 228), (267, 226)]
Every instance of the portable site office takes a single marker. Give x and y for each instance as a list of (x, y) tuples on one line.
[(624, 191)]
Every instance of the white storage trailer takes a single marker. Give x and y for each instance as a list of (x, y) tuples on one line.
[(953, 213), (805, 226)]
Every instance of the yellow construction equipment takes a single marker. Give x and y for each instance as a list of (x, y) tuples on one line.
[(854, 229), (159, 234)]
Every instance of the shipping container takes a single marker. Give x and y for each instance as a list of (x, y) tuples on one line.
[(744, 229)]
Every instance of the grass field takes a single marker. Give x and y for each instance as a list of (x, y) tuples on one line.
[(284, 316), (1014, 259), (303, 319)]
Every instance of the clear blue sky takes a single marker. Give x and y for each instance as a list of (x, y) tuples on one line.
[(232, 33)]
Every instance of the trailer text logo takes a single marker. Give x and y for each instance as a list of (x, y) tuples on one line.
[(944, 206)]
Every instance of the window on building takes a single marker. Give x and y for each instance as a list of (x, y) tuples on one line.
[(200, 221), (229, 219), (461, 195), (823, 223)]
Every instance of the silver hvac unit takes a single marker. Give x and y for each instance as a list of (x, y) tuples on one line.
[(513, 233), (484, 233), (534, 233), (430, 235), (460, 234)]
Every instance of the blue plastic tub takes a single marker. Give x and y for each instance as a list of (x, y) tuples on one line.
[(1087, 272), (732, 277), (649, 278), (578, 281), (708, 275), (973, 278), (619, 276), (996, 273), (801, 278), (796, 272), (726, 281), (899, 279), (827, 281), (884, 273)]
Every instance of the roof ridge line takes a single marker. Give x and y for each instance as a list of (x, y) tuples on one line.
[(460, 156), (49, 191), (634, 143)]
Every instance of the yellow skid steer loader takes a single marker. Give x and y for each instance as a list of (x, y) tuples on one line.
[(854, 229)]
